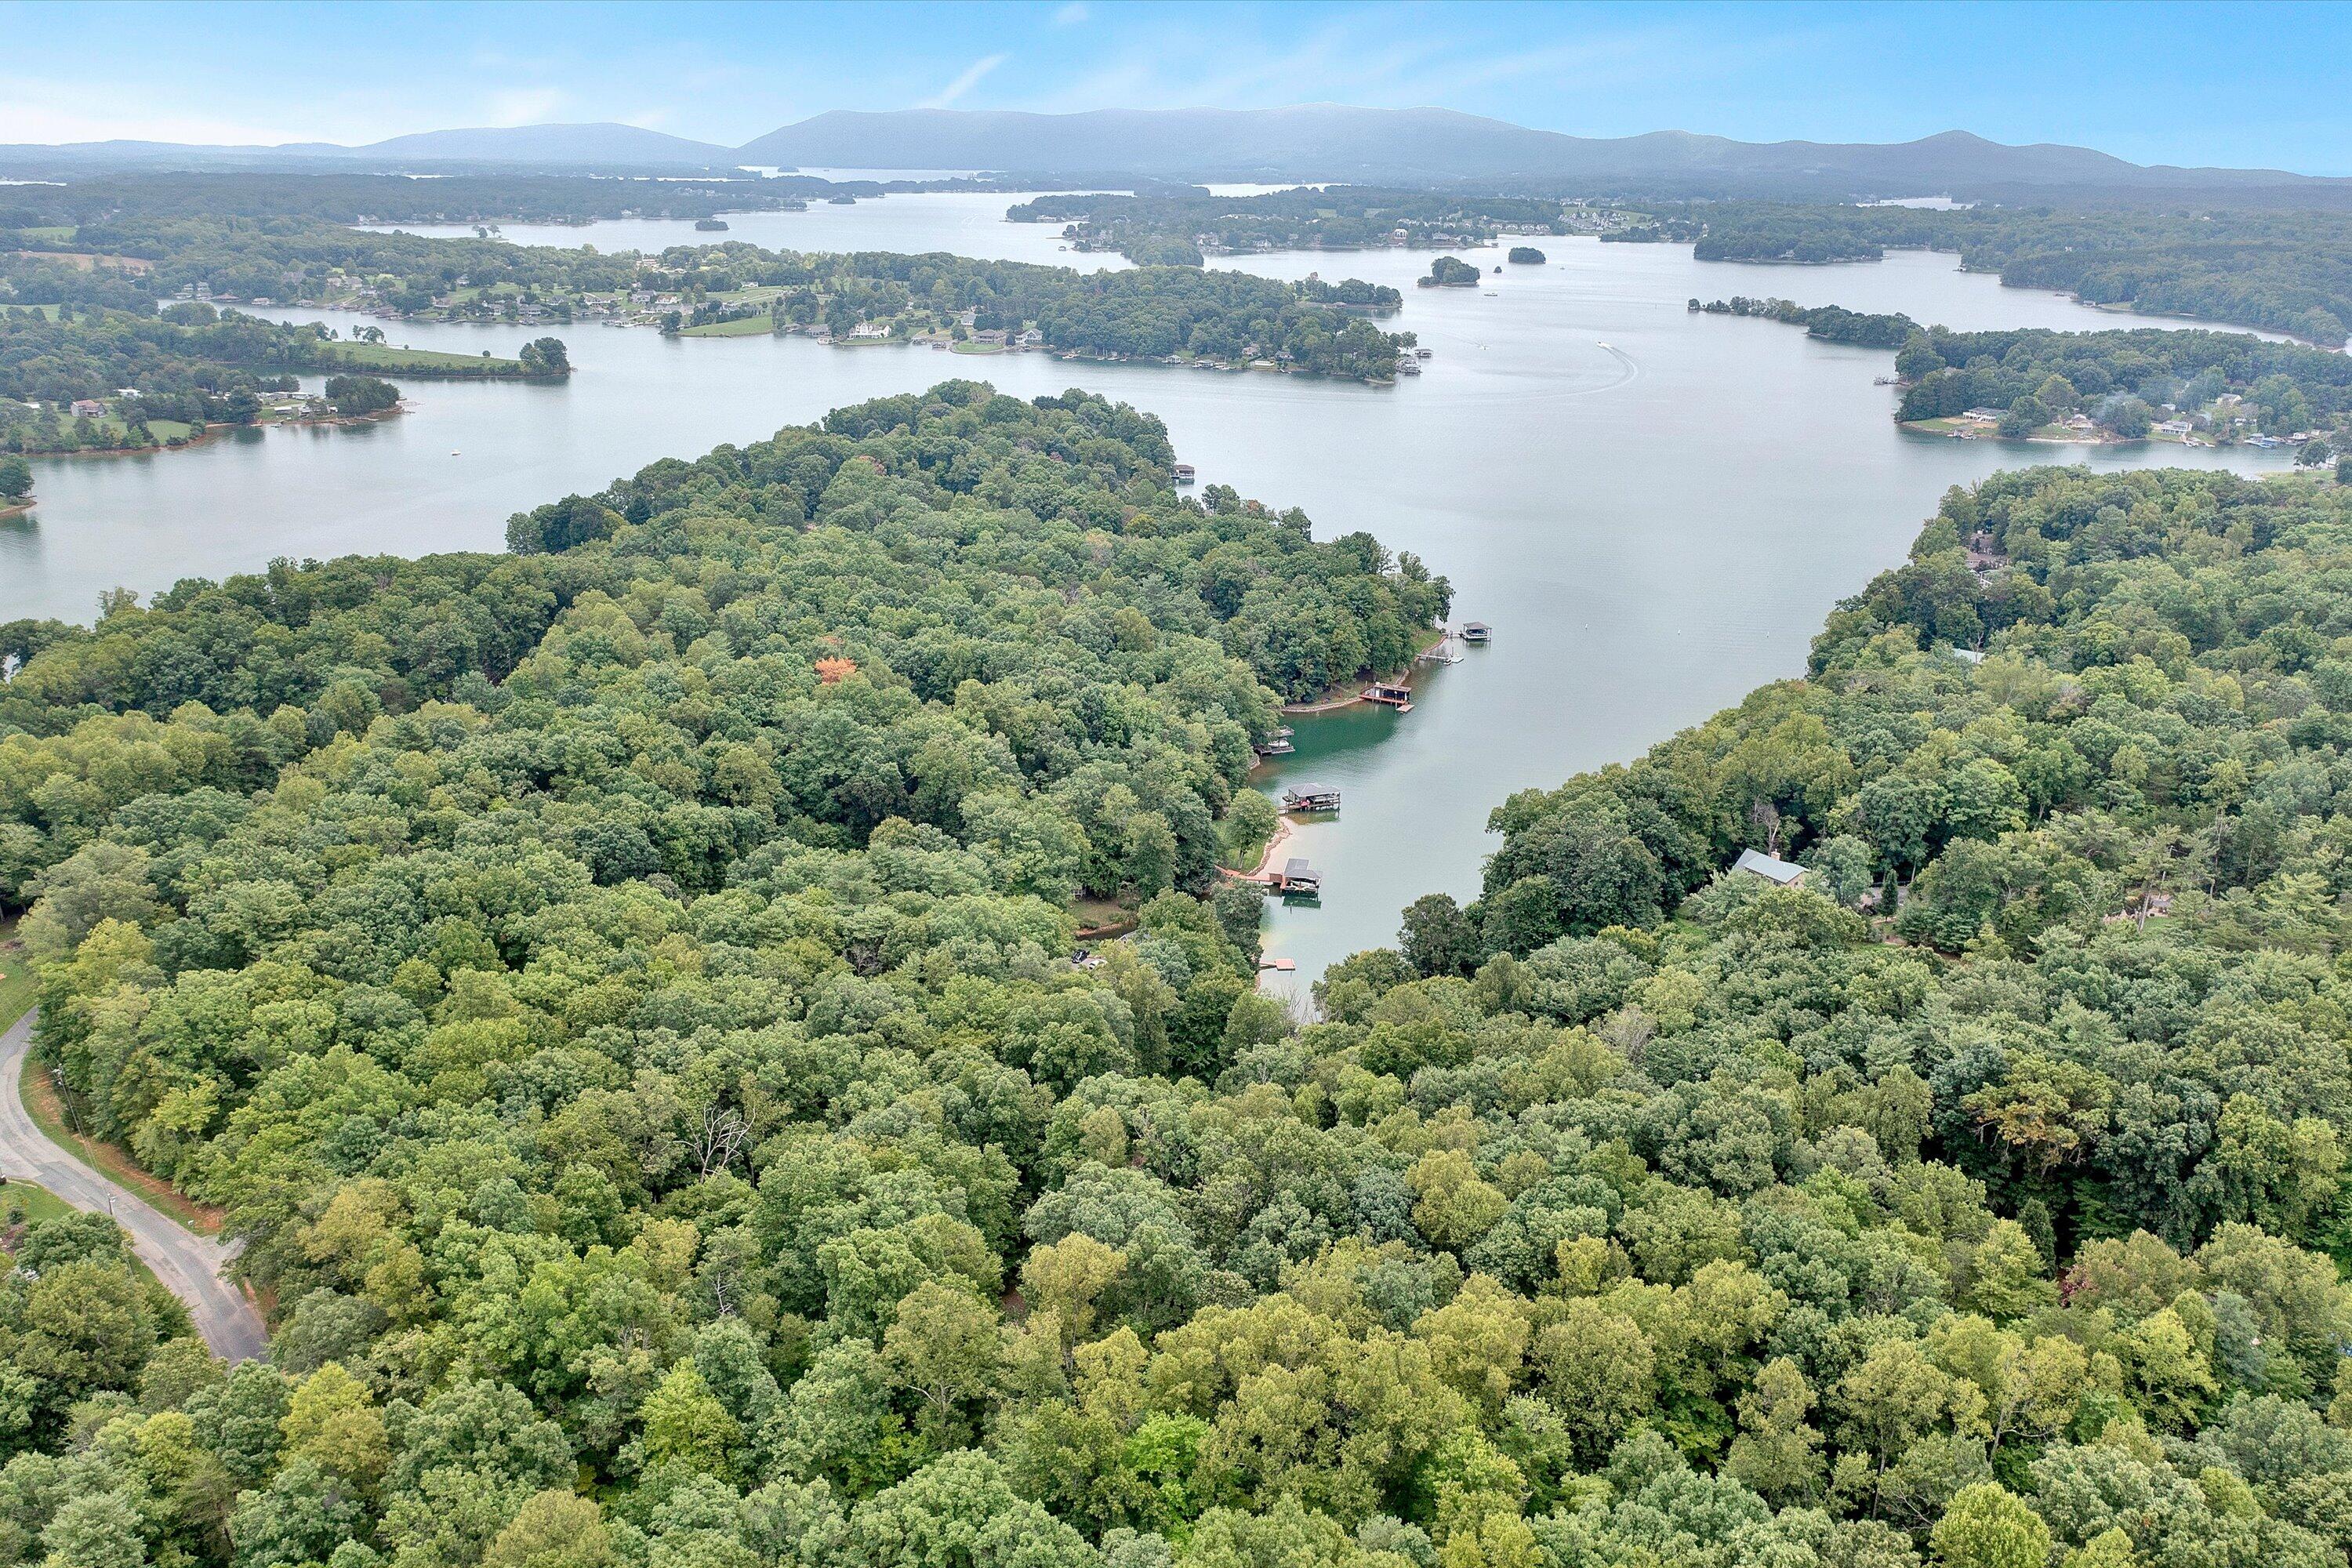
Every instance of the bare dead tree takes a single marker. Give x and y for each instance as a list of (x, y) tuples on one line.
[(720, 1138)]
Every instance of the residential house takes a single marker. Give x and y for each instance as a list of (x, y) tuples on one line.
[(1771, 867)]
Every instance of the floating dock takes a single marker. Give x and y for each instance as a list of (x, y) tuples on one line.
[(1390, 696), (1310, 797)]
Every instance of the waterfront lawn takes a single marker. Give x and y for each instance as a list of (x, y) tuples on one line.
[(1243, 850), (741, 327), (116, 431), (383, 356)]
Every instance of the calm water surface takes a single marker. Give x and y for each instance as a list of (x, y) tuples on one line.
[(1653, 509), (966, 223)]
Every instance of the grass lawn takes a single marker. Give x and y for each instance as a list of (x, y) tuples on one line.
[(49, 234), (976, 348), (21, 1201), (15, 975), (116, 430), (383, 356), (741, 327), (1100, 914), (1244, 852), (41, 1099)]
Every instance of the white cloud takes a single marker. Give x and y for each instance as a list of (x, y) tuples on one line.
[(1071, 15), (525, 106), (968, 78)]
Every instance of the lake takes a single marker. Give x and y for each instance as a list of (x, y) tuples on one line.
[(1654, 527), (966, 223)]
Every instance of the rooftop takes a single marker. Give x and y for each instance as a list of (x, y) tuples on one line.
[(1770, 866)]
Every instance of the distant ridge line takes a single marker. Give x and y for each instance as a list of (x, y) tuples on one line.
[(1309, 141)]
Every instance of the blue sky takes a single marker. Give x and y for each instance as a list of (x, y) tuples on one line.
[(2189, 83)]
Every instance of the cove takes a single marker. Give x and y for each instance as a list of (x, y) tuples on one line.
[(1653, 528)]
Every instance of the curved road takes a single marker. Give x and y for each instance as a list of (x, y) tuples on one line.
[(191, 1266)]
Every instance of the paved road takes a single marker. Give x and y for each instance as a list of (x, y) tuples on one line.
[(190, 1266)]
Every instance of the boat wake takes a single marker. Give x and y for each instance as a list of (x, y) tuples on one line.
[(1518, 392), (1625, 362)]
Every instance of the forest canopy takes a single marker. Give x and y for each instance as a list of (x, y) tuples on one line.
[(622, 991), (2287, 272)]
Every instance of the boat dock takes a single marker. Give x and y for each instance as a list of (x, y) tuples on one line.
[(1390, 694), (1309, 797), (1275, 742)]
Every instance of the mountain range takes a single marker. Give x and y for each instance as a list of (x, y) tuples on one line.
[(1315, 141)]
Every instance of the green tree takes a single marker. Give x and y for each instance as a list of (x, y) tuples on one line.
[(1436, 938), (1985, 1526), (944, 1346), (554, 1529), (685, 1423), (545, 357)]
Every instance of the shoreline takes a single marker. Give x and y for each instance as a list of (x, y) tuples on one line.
[(1264, 867), (1928, 427), (1426, 638), (212, 433)]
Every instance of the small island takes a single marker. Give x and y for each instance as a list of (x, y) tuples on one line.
[(1450, 272), (1526, 255), (710, 225), (16, 488)]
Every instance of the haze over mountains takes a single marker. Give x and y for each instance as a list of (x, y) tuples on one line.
[(1318, 141)]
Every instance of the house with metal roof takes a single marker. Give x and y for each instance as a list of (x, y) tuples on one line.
[(1779, 872)]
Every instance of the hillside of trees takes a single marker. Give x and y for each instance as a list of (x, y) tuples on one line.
[(2118, 378), (1166, 227), (2286, 271), (2289, 386), (1149, 313), (192, 366), (622, 991)]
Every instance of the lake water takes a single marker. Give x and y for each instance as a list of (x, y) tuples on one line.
[(1654, 527), (966, 223)]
